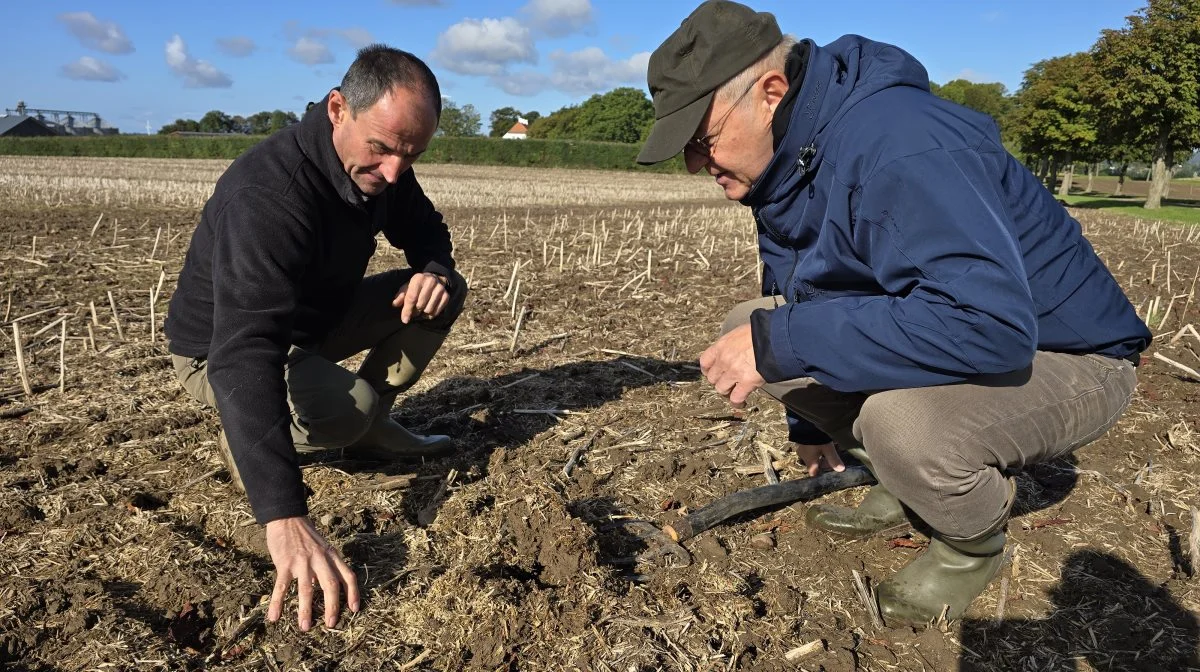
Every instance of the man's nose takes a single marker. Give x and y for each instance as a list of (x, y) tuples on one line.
[(392, 167), (695, 161)]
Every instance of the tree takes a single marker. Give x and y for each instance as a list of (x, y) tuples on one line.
[(458, 121), (1149, 92), (239, 124), (621, 115), (991, 99), (216, 121), (260, 123), (616, 116), (560, 125), (1054, 118), (280, 120), (184, 125), (503, 119)]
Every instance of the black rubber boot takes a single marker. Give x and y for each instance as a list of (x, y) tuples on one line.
[(946, 578), (879, 511)]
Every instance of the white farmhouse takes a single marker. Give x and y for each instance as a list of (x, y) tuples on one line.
[(519, 131)]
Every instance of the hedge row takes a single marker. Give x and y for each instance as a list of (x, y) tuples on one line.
[(141, 146), (475, 151)]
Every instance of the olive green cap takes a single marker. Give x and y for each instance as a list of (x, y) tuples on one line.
[(719, 40)]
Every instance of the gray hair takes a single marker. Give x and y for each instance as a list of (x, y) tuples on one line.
[(775, 59), (378, 69)]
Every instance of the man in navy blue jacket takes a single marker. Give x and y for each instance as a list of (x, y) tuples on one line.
[(928, 305)]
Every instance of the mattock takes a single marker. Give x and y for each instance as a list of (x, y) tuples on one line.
[(665, 543), (785, 492), (659, 545)]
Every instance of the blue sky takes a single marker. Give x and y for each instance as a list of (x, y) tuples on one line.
[(135, 62)]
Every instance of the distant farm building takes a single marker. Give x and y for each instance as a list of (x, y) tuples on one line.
[(27, 121), (21, 126), (519, 131)]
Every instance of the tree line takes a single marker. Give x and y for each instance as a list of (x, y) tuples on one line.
[(1134, 97), (466, 122), (216, 121), (621, 115)]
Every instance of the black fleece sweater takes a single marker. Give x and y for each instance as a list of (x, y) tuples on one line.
[(281, 246)]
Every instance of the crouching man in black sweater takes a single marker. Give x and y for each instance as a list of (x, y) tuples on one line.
[(272, 295)]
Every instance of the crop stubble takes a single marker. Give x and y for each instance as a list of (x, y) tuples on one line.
[(121, 541)]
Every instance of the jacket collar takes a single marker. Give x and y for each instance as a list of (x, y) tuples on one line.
[(316, 141), (798, 149), (794, 68)]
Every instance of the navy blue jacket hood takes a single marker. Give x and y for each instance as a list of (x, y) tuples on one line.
[(912, 249)]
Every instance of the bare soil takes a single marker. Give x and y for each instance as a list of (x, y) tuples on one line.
[(122, 545)]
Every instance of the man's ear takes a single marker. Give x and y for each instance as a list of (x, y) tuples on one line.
[(337, 108), (775, 85)]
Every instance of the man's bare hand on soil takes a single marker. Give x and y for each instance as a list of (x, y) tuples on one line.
[(302, 555)]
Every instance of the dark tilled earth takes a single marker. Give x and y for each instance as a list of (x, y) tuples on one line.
[(123, 547)]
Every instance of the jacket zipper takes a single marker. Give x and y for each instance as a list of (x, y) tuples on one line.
[(771, 232), (802, 164)]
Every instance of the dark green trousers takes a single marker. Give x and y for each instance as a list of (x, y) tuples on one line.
[(332, 407)]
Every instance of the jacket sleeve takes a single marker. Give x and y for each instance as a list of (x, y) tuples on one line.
[(955, 302), (416, 227), (800, 430), (259, 256)]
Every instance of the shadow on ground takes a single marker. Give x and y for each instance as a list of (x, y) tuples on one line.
[(1106, 614)]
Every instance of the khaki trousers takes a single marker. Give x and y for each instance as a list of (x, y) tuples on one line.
[(331, 406), (943, 450)]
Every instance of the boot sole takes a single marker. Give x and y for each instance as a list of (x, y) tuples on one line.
[(881, 532), (399, 454)]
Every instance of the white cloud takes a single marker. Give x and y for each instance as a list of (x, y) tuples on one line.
[(585, 71), (310, 51), (557, 18), (527, 83), (590, 70), (95, 34), (196, 74), (357, 37), (91, 70), (490, 47), (236, 46), (484, 46), (311, 45)]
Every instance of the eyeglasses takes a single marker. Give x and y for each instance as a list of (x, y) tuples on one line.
[(704, 144)]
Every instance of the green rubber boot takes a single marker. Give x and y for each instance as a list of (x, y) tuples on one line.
[(945, 578), (392, 367), (948, 576), (879, 511), (388, 440)]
